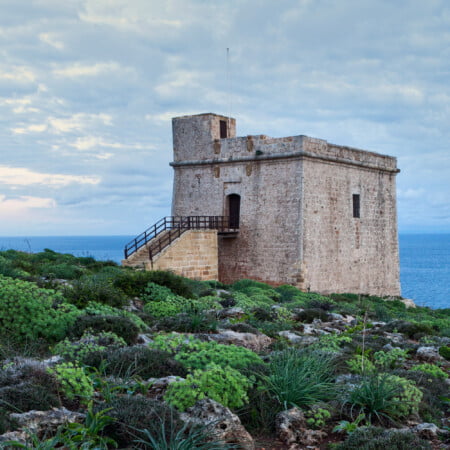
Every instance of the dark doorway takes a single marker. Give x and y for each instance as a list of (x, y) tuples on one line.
[(234, 208)]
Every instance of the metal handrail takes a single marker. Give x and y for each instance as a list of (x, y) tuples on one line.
[(175, 225)]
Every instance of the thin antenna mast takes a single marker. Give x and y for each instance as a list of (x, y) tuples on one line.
[(229, 86)]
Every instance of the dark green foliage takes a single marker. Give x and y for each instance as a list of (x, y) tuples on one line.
[(374, 438), (325, 304), (133, 414), (444, 351), (120, 325), (262, 314), (308, 315), (300, 377), (27, 387), (132, 282), (413, 330), (135, 361), (242, 328), (63, 271), (192, 322), (383, 398), (288, 293), (227, 300), (94, 288), (177, 284)]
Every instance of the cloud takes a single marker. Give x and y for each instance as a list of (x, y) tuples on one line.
[(16, 176), (18, 205), (18, 74), (58, 125), (78, 70), (51, 39)]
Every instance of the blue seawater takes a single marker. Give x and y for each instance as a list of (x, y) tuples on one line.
[(425, 269), (102, 248), (424, 259)]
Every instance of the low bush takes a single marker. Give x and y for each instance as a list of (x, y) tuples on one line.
[(384, 398), (413, 330), (73, 381), (94, 288), (176, 283), (135, 414), (99, 309), (29, 312), (77, 351), (444, 351), (196, 354), (374, 438), (191, 322), (308, 315), (135, 361), (390, 359), (432, 370), (27, 387), (222, 384), (300, 377), (122, 326)]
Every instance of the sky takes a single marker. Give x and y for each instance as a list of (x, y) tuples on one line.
[(88, 88)]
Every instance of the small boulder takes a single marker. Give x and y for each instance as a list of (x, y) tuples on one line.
[(226, 425), (428, 354), (292, 430)]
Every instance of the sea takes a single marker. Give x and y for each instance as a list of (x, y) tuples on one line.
[(424, 259)]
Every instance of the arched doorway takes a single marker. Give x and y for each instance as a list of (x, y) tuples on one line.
[(234, 208)]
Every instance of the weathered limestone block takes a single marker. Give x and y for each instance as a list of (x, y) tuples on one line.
[(227, 426)]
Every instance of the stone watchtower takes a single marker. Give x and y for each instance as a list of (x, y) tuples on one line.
[(298, 211), (316, 215)]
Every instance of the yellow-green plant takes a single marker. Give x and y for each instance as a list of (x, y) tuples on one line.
[(74, 381), (224, 385)]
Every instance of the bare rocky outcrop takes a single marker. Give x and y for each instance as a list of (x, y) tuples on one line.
[(226, 425)]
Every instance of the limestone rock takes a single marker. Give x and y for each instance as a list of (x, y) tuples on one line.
[(46, 422), (227, 426), (428, 353), (427, 430), (160, 385), (291, 336), (254, 342), (292, 430), (231, 313)]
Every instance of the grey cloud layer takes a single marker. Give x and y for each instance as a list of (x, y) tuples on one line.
[(87, 89)]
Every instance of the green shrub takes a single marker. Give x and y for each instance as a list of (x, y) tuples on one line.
[(317, 416), (177, 284), (63, 271), (191, 322), (134, 415), (135, 361), (431, 369), (26, 387), (94, 288), (155, 293), (73, 380), (122, 326), (288, 293), (29, 312), (444, 351), (98, 309), (413, 330), (391, 359), (384, 397), (222, 384), (360, 364), (308, 315), (374, 438), (300, 377), (195, 354), (132, 282), (76, 351)]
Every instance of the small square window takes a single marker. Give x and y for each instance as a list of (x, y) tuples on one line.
[(356, 206)]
